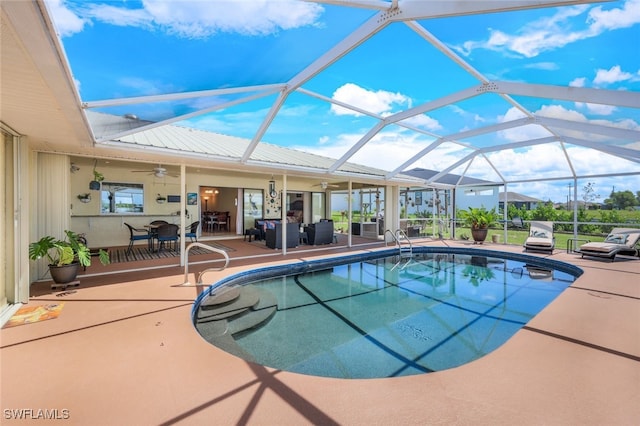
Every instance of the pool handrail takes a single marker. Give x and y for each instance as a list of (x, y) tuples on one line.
[(186, 263), (397, 237)]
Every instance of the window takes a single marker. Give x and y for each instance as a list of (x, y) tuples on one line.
[(118, 197)]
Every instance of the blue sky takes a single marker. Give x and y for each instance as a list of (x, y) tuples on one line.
[(137, 48)]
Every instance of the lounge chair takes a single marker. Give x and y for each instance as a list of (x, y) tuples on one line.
[(622, 241), (540, 237)]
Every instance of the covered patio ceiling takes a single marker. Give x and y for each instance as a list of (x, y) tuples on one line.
[(350, 90)]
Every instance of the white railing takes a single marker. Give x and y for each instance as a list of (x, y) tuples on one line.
[(186, 263)]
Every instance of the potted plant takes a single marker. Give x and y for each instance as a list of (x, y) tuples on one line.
[(64, 256), (478, 219), (84, 198), (98, 177), (160, 199)]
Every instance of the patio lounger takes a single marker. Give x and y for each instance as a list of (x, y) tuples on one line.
[(540, 237), (619, 241)]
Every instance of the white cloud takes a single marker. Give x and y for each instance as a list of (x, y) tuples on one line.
[(423, 121), (613, 75), (624, 17), (191, 19), (66, 22), (545, 66), (600, 109), (551, 33), (378, 102), (578, 82)]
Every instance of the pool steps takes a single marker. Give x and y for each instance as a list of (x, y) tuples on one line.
[(234, 311)]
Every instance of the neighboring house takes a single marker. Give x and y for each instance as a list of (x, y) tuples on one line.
[(519, 200)]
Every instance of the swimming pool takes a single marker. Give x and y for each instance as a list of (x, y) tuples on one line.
[(377, 314)]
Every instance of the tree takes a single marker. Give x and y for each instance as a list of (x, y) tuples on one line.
[(621, 200), (589, 194)]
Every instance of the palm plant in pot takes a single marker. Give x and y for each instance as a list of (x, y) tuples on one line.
[(478, 219), (64, 256)]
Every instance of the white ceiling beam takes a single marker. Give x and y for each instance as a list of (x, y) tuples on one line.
[(462, 135), (271, 88), (416, 10), (362, 4), (265, 125), (153, 125), (403, 115), (585, 176), (366, 138), (586, 127), (435, 42), (346, 45), (523, 144), (621, 98), (618, 151), (362, 111)]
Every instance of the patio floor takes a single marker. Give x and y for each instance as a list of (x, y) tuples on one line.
[(124, 351)]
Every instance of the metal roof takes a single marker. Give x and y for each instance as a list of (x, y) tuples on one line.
[(182, 141)]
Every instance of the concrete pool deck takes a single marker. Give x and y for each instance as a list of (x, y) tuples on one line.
[(124, 351)]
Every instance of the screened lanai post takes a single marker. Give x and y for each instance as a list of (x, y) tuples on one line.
[(283, 214), (505, 213), (453, 212), (183, 210), (575, 207), (350, 213)]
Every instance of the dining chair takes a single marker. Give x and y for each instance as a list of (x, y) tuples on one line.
[(193, 231), (137, 234), (166, 234)]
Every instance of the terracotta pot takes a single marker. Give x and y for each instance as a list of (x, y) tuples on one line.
[(479, 234), (64, 274)]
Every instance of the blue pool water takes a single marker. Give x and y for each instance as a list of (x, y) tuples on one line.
[(379, 316)]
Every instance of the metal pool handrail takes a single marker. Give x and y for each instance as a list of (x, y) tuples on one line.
[(186, 263), (396, 237)]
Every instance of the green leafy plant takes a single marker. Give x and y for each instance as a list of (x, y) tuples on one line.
[(97, 176), (478, 217), (64, 252)]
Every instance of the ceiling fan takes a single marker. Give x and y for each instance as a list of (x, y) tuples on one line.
[(325, 185), (158, 172)]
